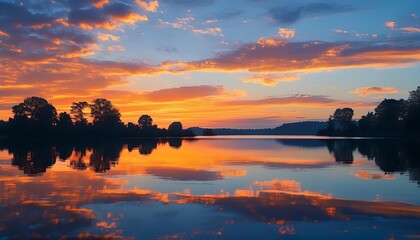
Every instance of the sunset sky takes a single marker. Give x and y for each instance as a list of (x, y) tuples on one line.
[(210, 63)]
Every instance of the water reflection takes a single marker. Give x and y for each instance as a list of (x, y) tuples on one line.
[(35, 157), (219, 189)]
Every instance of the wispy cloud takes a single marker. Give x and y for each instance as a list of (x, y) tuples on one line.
[(148, 6), (271, 80), (209, 31), (303, 100), (183, 93), (291, 14), (365, 91), (286, 33)]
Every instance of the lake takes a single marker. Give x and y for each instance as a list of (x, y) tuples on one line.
[(254, 187)]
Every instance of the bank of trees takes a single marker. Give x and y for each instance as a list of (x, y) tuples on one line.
[(35, 116), (390, 118)]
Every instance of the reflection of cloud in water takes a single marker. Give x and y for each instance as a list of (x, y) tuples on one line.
[(368, 176), (34, 206), (183, 174)]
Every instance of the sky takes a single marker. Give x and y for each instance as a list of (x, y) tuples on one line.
[(210, 63)]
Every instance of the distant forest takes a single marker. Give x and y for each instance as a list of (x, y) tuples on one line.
[(395, 118), (36, 117)]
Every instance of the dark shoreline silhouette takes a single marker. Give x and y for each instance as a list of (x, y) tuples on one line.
[(35, 117), (391, 118)]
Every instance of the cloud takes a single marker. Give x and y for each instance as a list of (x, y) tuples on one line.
[(365, 175), (286, 33), (275, 55), (292, 14), (304, 100), (150, 7), (393, 26), (75, 4), (107, 37), (109, 17), (390, 24), (189, 3), (365, 91), (183, 174), (410, 29), (116, 48), (179, 23), (270, 42), (183, 93), (209, 31), (271, 80)]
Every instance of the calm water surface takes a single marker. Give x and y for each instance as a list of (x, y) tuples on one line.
[(210, 188)]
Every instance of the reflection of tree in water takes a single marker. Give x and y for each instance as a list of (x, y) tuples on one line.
[(146, 146), (175, 142), (64, 150), (393, 156), (342, 150), (32, 157), (78, 163), (104, 156)]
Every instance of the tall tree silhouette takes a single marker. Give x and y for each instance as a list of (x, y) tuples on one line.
[(76, 110), (413, 113), (104, 113), (389, 115)]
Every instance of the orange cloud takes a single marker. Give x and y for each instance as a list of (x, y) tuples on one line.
[(410, 29), (303, 100), (368, 176), (274, 55), (4, 34), (271, 80), (106, 37), (100, 3), (183, 93), (390, 24), (365, 91), (150, 7), (270, 42), (109, 17), (286, 33)]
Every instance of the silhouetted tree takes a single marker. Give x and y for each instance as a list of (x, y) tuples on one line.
[(29, 108), (145, 121), (64, 123), (367, 124), (344, 117), (175, 129), (389, 115), (104, 113), (413, 113), (33, 116), (46, 115), (76, 110)]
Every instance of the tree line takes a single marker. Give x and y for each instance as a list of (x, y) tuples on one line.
[(35, 116), (390, 118)]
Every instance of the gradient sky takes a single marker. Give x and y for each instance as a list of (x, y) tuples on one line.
[(211, 63)]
